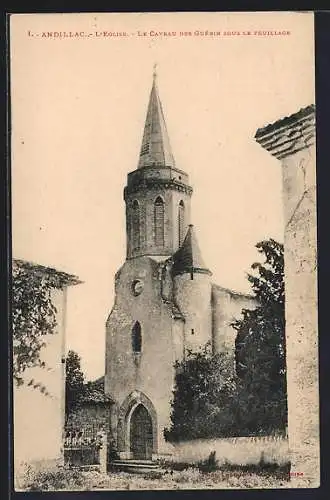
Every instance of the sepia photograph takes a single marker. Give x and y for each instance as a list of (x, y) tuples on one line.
[(164, 251)]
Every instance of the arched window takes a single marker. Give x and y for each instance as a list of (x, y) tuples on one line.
[(181, 222), (159, 212), (136, 225), (136, 337)]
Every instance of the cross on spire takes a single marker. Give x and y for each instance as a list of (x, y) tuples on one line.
[(155, 71)]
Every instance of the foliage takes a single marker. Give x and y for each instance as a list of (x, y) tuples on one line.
[(33, 317), (78, 392), (94, 392), (74, 382), (113, 453), (260, 347), (204, 388), (153, 475), (210, 464), (54, 477), (191, 476), (48, 477), (210, 400)]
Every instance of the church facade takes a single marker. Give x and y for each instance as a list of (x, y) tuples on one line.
[(165, 300)]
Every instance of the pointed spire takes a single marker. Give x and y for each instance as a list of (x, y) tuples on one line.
[(155, 149), (189, 258)]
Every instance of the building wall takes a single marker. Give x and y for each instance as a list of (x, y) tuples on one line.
[(38, 418), (226, 307), (193, 297), (151, 372), (292, 141), (299, 185)]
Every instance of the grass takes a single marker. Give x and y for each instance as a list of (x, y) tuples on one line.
[(53, 477)]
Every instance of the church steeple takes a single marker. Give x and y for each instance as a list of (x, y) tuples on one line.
[(157, 194), (155, 148)]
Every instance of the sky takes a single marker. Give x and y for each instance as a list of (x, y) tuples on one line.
[(78, 109)]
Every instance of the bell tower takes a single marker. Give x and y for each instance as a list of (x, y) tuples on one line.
[(157, 194), (162, 300)]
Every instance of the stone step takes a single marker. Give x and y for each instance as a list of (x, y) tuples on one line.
[(135, 466), (134, 461)]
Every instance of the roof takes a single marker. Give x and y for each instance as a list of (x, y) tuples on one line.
[(289, 135), (189, 258), (57, 278), (155, 148), (288, 120), (94, 392)]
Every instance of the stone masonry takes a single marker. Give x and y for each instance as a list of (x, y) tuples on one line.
[(292, 141)]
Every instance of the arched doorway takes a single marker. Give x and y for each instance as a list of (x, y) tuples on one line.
[(141, 436), (128, 424)]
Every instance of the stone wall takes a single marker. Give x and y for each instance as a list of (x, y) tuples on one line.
[(236, 451), (292, 141)]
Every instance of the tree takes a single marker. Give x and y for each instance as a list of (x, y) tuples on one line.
[(209, 399), (74, 382), (33, 317), (260, 346), (204, 386)]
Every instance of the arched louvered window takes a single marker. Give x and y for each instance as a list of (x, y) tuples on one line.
[(136, 237), (159, 212), (181, 222), (136, 337)]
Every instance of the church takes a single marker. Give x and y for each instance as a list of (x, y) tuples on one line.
[(165, 301)]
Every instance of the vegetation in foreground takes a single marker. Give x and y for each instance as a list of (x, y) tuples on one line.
[(205, 475)]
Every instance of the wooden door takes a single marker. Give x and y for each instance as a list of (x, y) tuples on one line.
[(141, 434)]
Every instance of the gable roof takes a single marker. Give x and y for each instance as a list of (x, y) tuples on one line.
[(57, 278)]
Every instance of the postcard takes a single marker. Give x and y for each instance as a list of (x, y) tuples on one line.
[(164, 251)]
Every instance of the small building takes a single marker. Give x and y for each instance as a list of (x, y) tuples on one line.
[(93, 409), (86, 423), (38, 417)]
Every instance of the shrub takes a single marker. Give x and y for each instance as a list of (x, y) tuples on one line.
[(262, 468), (190, 475), (210, 398), (176, 466), (113, 455), (48, 476), (153, 475), (204, 389), (210, 464)]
